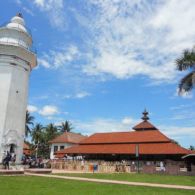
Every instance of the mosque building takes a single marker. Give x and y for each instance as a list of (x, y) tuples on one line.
[(145, 143)]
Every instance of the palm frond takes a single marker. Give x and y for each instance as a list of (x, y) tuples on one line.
[(66, 126), (186, 83), (186, 61), (29, 123), (37, 133)]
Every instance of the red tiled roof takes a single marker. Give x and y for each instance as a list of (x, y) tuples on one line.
[(27, 152), (126, 137), (151, 142), (68, 137), (26, 146), (144, 149), (144, 125), (26, 149)]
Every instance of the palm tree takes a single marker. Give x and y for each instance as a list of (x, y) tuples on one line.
[(37, 136), (29, 123), (192, 148), (51, 131), (187, 62), (66, 127)]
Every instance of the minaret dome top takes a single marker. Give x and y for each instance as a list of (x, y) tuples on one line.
[(19, 15), (17, 22)]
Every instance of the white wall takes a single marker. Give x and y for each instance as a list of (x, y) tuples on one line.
[(66, 145), (5, 80), (16, 62), (13, 103)]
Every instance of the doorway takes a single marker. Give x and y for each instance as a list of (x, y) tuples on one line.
[(12, 148)]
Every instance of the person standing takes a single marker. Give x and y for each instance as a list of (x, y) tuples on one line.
[(6, 160)]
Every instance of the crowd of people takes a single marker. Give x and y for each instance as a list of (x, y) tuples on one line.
[(30, 161)]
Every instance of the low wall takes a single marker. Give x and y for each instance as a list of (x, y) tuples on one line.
[(151, 167), (90, 166)]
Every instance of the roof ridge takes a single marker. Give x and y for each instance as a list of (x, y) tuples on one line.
[(113, 132), (70, 137), (130, 131)]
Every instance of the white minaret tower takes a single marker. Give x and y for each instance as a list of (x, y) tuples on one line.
[(16, 62)]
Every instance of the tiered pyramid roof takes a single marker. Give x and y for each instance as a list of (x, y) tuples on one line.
[(150, 140)]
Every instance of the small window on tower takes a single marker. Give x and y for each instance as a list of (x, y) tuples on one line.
[(14, 64)]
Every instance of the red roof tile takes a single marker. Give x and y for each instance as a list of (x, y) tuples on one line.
[(126, 137), (151, 142), (147, 149), (26, 146), (68, 137), (26, 149), (144, 125)]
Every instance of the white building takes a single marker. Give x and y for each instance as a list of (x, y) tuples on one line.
[(16, 62), (64, 141)]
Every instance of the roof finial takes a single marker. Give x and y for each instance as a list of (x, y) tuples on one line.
[(19, 15), (145, 115)]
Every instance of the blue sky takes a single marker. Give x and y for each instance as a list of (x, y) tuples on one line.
[(102, 62)]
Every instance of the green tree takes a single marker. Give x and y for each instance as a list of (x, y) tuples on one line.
[(175, 142), (51, 131), (65, 127), (29, 123), (187, 62), (192, 148), (37, 137)]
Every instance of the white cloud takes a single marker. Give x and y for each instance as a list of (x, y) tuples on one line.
[(183, 94), (181, 107), (40, 3), (32, 108), (28, 11), (126, 38), (140, 38), (187, 95), (49, 110), (183, 114), (54, 10), (128, 121), (104, 125), (82, 94), (67, 96), (79, 95), (59, 57), (44, 63), (24, 8), (177, 18), (178, 131)]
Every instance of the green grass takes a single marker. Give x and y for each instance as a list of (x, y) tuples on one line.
[(32, 185), (149, 178)]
